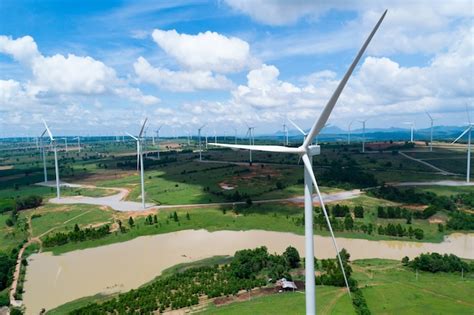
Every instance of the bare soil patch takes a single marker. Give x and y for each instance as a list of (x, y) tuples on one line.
[(5, 167)]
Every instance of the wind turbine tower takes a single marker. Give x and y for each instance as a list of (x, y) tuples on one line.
[(139, 140)]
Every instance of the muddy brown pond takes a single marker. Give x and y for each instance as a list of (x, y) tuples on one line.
[(54, 280)]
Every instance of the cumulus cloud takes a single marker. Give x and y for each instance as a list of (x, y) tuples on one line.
[(179, 81), (410, 27), (209, 51), (68, 74)]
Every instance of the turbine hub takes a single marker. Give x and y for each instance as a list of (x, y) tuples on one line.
[(314, 149)]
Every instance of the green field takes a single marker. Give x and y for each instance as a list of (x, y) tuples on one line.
[(330, 300)]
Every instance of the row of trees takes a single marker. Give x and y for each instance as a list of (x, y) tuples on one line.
[(248, 269), (20, 203), (341, 211), (400, 231), (434, 262), (77, 235), (410, 195)]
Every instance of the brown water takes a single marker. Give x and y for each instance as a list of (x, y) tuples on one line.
[(55, 280)]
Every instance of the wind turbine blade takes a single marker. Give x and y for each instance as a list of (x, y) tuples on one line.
[(431, 118), (309, 168), (332, 101), (47, 129), (265, 148), (297, 127), (44, 131), (202, 126), (143, 127), (462, 134), (132, 136)]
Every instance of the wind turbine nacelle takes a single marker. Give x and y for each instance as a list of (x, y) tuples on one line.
[(314, 149)]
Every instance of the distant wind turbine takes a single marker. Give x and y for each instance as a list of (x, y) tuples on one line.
[(349, 132), (431, 131), (306, 151), (363, 134), (55, 150), (299, 129), (43, 154), (158, 141), (468, 131), (139, 140), (200, 143), (412, 130)]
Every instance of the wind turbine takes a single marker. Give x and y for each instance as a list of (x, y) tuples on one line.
[(412, 128), (251, 141), (468, 131), (139, 139), (349, 132), (285, 131), (158, 141), (431, 131), (78, 142), (43, 154), (235, 135), (55, 150), (200, 144), (306, 151), (363, 134), (299, 129)]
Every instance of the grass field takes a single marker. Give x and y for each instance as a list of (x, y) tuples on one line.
[(330, 300)]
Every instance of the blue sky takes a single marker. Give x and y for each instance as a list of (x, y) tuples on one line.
[(100, 67)]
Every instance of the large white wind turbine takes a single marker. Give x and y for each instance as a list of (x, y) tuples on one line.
[(468, 131), (306, 151), (55, 150), (431, 131), (139, 139)]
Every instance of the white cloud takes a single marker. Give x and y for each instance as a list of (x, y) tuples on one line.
[(23, 49), (179, 81), (73, 74), (207, 51), (410, 27)]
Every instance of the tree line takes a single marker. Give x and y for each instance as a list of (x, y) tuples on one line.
[(434, 262), (77, 235)]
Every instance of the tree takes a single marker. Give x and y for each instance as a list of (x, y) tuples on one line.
[(175, 217), (419, 234), (405, 261), (187, 216), (348, 222), (155, 219), (359, 211), (292, 257), (131, 222)]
